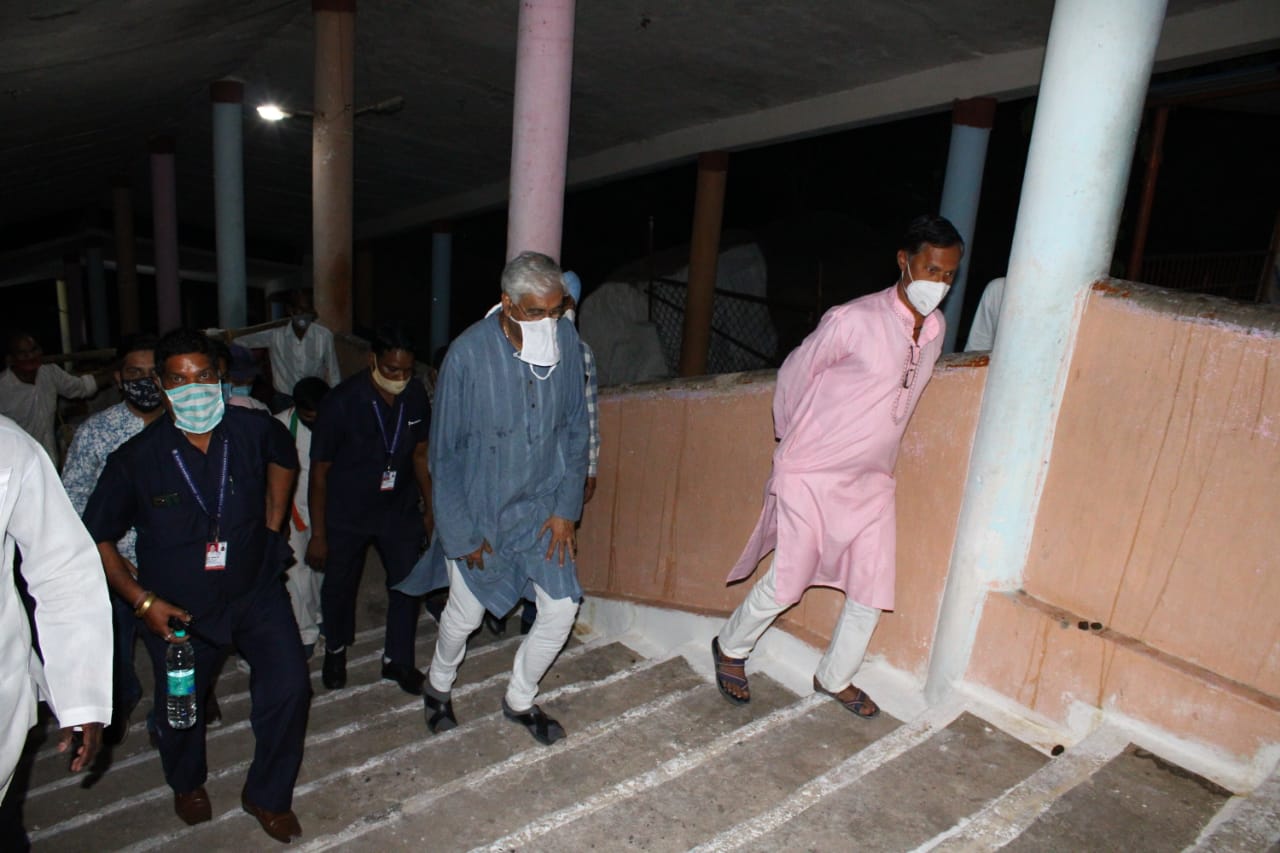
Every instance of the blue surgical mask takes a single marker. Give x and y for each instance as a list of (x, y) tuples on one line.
[(241, 390), (197, 407)]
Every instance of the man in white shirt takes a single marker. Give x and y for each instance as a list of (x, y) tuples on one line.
[(302, 581), (73, 615), (302, 348), (29, 390), (982, 334)]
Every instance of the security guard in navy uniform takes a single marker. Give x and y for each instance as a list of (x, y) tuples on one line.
[(368, 470), (207, 489)]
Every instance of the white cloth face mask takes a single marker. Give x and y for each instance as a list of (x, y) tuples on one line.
[(925, 294)]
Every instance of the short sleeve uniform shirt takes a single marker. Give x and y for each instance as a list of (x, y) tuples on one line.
[(363, 438)]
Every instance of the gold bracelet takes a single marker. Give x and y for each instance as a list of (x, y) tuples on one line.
[(145, 605)]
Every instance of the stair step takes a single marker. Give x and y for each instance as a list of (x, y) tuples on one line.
[(1137, 801), (696, 795), (345, 728), (535, 781), (910, 799), (135, 765), (1245, 824)]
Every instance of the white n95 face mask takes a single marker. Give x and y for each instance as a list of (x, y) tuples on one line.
[(925, 294), (539, 344)]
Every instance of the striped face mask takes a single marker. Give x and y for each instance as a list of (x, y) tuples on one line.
[(197, 407)]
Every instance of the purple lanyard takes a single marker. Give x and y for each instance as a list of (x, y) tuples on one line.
[(382, 428), (195, 493)]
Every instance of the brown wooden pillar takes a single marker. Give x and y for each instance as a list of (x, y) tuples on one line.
[(704, 252), (332, 153)]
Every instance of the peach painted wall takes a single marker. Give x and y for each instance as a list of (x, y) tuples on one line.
[(1160, 519), (682, 474)]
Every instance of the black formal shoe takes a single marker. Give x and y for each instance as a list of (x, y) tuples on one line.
[(334, 673), (282, 826), (193, 807), (409, 679)]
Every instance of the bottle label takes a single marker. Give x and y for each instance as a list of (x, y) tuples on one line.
[(182, 682)]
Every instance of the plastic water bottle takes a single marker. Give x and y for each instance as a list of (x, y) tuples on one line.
[(180, 669)]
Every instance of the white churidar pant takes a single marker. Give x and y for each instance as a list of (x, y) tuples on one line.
[(463, 614), (848, 641)]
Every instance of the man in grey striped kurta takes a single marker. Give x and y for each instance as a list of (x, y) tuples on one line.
[(508, 452)]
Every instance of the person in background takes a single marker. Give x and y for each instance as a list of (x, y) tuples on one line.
[(207, 488), (573, 290), (29, 390), (241, 372), (300, 349), (72, 616), (840, 408), (302, 581), (368, 469), (95, 439), (982, 334)]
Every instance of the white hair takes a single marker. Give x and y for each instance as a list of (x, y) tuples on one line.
[(531, 272)]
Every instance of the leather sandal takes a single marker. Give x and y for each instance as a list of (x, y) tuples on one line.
[(725, 679), (544, 729), (438, 710), (854, 699)]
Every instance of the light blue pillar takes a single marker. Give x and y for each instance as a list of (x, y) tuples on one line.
[(441, 272), (971, 122), (1096, 70), (99, 327), (228, 201)]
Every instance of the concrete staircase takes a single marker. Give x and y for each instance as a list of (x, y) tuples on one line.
[(655, 760)]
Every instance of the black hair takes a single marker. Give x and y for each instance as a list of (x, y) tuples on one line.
[(140, 342), (184, 341), (308, 392), (393, 336), (931, 229)]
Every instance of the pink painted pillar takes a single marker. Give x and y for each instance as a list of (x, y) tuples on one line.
[(332, 160), (164, 224), (540, 130)]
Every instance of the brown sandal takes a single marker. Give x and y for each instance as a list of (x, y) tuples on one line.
[(725, 678), (853, 699)]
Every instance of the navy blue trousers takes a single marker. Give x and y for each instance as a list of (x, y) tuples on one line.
[(398, 549), (263, 630)]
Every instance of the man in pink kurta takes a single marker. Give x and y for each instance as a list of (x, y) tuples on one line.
[(841, 405)]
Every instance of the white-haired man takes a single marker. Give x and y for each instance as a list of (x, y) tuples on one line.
[(508, 454)]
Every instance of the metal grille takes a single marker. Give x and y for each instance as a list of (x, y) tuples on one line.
[(743, 334), (1236, 275)]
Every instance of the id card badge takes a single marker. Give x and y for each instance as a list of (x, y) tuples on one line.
[(215, 556), (388, 481)]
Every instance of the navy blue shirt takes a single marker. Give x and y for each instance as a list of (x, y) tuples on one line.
[(353, 431), (142, 486)]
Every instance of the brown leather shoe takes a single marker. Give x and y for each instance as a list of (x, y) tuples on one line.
[(193, 807), (282, 826)]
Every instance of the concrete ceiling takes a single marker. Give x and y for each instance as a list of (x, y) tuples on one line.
[(84, 83)]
